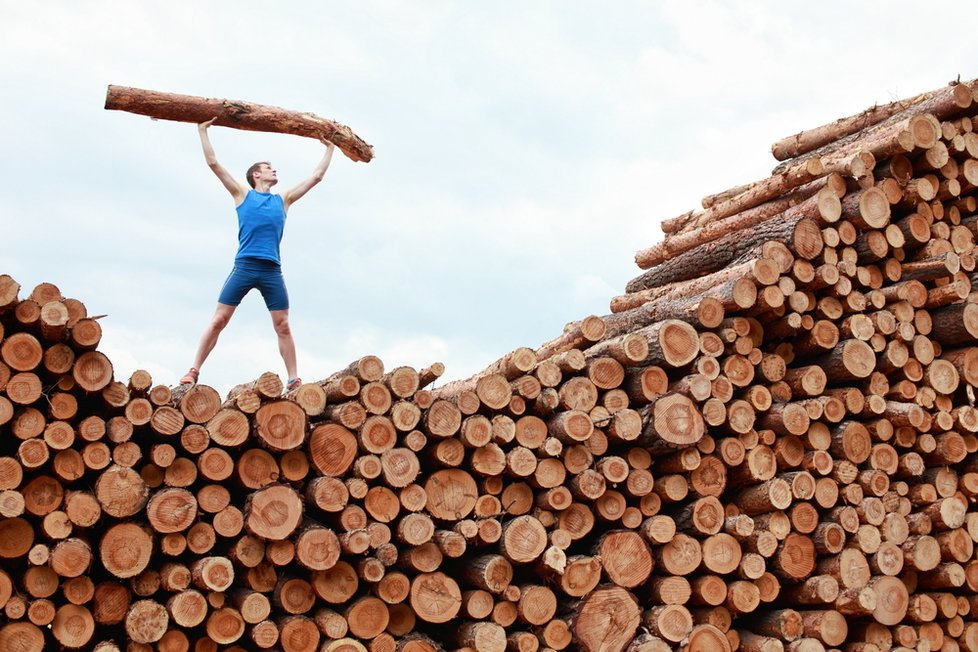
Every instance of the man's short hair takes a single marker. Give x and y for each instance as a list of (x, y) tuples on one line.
[(250, 174)]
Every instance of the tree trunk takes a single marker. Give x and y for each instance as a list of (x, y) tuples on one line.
[(236, 114)]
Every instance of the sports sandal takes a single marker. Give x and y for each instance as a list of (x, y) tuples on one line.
[(190, 378), (293, 384)]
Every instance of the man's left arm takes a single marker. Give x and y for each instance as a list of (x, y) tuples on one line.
[(293, 194)]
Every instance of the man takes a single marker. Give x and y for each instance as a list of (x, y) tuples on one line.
[(261, 222)]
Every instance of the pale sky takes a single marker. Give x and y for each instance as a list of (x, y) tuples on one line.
[(524, 152)]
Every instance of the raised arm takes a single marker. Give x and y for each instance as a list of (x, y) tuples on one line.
[(237, 190), (293, 194)]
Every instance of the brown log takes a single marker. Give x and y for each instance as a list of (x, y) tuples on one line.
[(706, 637), (824, 206), (73, 626), (110, 603), (916, 126), (811, 139), (9, 289), (171, 510), (20, 635), (21, 352), (435, 597), (669, 622), (442, 419), (273, 512), (146, 621), (802, 235), (606, 619), (121, 491), (281, 425), (709, 288), (576, 335), (236, 114)]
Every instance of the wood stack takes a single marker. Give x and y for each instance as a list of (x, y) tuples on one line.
[(769, 444)]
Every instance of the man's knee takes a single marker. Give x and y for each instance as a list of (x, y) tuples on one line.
[(281, 324), (219, 321)]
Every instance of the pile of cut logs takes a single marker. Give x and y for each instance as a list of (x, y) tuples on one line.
[(769, 444)]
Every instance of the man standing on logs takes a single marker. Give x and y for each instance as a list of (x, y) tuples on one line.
[(257, 264)]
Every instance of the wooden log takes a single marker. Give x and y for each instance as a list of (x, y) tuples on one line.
[(435, 597), (705, 637), (146, 621), (802, 236), (606, 619), (236, 114), (824, 206), (900, 132), (671, 421), (73, 626), (811, 139), (92, 371), (281, 425), (21, 635), (626, 558), (273, 512), (576, 335), (671, 623)]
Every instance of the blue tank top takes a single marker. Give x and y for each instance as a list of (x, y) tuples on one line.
[(261, 222)]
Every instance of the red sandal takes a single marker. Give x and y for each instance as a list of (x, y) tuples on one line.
[(190, 378)]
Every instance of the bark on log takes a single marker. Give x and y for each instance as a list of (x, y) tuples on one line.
[(803, 236), (238, 115), (811, 139)]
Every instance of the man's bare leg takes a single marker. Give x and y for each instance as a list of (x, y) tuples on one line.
[(222, 315), (286, 345)]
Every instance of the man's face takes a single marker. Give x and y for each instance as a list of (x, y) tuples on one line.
[(267, 174)]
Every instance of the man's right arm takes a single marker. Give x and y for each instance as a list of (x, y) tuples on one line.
[(237, 190)]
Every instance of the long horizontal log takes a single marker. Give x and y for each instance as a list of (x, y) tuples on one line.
[(238, 115), (942, 103), (824, 206), (811, 139), (761, 271), (801, 235), (757, 193)]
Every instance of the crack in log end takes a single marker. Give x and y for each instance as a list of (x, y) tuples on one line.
[(679, 342), (608, 620), (892, 601), (452, 494), (274, 513), (436, 597), (707, 638), (676, 421)]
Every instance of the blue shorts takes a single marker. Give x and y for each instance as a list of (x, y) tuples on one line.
[(251, 273)]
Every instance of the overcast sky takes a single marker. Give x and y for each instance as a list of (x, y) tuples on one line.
[(524, 152)]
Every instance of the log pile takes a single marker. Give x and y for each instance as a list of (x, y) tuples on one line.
[(770, 443)]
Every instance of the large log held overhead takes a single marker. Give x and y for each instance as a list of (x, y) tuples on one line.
[(237, 114)]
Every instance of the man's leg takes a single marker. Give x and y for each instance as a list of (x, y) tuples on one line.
[(286, 345), (222, 315)]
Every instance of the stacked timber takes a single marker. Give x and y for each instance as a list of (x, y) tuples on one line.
[(840, 289), (770, 443)]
